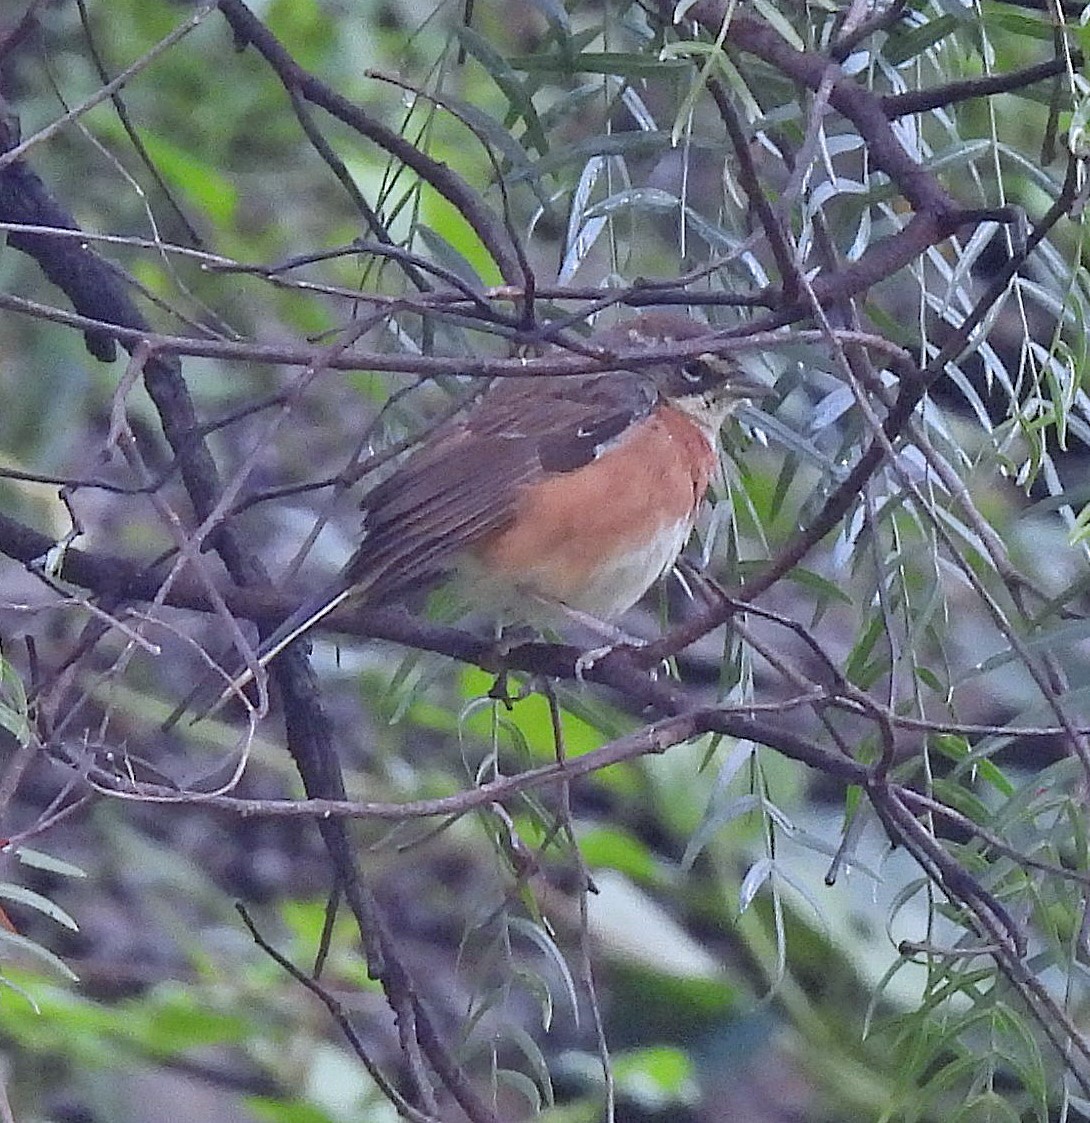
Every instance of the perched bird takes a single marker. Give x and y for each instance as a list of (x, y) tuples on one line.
[(551, 495)]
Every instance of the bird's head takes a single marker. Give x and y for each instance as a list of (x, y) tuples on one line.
[(707, 387)]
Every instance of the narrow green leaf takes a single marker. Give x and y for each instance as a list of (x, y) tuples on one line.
[(600, 62), (39, 861), (903, 45), (37, 902), (12, 942)]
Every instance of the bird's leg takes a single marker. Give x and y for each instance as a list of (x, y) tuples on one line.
[(498, 691), (505, 640), (586, 661)]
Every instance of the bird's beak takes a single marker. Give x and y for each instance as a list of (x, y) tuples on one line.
[(745, 386), (737, 383)]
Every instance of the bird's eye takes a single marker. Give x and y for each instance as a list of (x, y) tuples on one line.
[(695, 371)]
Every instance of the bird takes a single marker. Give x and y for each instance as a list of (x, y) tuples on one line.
[(551, 496)]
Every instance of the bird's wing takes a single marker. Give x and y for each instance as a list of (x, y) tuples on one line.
[(466, 481)]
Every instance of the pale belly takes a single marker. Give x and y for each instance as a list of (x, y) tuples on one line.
[(622, 580), (604, 591)]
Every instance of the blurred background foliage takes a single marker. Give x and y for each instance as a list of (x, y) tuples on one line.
[(733, 982)]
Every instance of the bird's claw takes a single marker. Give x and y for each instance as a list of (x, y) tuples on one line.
[(585, 662), (588, 659)]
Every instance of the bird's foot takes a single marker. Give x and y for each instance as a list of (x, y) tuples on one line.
[(588, 659), (505, 642)]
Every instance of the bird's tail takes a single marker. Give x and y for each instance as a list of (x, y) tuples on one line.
[(309, 613), (305, 617)]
